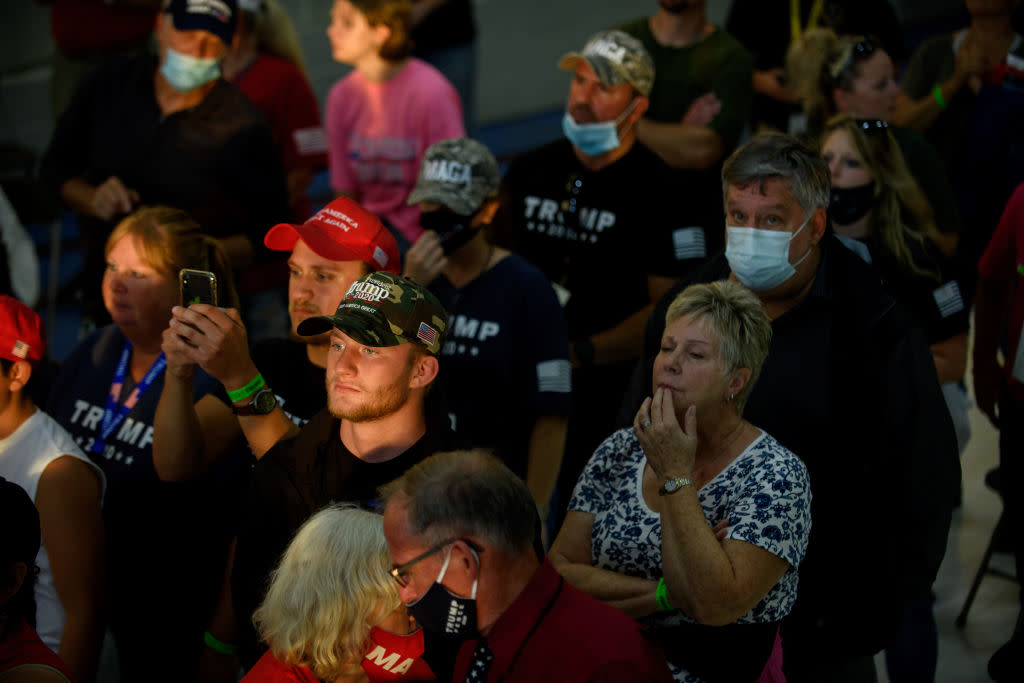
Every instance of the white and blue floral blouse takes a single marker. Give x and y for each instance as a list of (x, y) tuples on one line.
[(765, 493)]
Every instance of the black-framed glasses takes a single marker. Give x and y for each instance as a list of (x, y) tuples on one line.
[(864, 48), (398, 571)]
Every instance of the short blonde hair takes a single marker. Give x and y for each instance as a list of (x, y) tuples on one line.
[(737, 317), (331, 586)]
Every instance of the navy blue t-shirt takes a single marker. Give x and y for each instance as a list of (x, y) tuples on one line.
[(166, 542), (505, 360)]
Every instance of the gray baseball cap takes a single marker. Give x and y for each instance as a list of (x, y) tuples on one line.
[(459, 173), (616, 57)]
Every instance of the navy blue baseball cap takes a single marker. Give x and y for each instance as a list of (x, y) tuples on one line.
[(219, 17)]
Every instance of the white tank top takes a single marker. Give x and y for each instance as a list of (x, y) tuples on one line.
[(24, 455)]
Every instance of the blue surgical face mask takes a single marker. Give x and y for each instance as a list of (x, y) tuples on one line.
[(594, 139), (760, 258), (186, 73)]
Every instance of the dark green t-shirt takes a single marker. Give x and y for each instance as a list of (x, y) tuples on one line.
[(718, 63)]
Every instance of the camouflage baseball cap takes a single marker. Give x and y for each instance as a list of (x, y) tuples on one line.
[(616, 57), (458, 173), (383, 309)]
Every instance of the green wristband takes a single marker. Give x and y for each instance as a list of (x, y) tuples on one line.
[(219, 645), (661, 595), (248, 390), (939, 99)]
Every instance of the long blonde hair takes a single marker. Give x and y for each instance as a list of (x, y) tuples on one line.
[(898, 194), (331, 586)]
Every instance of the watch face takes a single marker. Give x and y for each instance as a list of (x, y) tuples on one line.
[(264, 401), (672, 485)]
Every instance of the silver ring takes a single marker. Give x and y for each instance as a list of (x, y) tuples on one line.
[(646, 424)]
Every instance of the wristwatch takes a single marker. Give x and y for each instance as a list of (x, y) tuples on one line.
[(673, 485), (262, 403)]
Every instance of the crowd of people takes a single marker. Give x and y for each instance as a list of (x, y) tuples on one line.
[(558, 422)]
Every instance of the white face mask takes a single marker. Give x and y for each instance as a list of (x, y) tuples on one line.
[(760, 258)]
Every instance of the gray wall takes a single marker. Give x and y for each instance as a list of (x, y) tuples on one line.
[(519, 43)]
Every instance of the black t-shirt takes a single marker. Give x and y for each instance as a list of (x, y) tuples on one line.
[(166, 542), (298, 384), (292, 481), (599, 234), (506, 358), (935, 303), (216, 161)]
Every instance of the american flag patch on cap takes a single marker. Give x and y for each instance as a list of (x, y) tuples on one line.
[(427, 334), (20, 349)]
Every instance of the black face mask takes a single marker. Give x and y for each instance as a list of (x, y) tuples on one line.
[(452, 229), (444, 614), (849, 204)]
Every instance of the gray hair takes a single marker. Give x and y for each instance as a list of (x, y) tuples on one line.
[(466, 494), (331, 584), (774, 155), (737, 318)]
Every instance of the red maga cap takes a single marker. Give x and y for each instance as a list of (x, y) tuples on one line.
[(21, 331), (341, 231)]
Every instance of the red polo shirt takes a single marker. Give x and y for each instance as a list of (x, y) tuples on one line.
[(554, 632)]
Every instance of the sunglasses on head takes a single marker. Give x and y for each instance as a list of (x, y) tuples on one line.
[(862, 49), (872, 126)]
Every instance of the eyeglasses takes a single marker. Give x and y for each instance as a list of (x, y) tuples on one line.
[(863, 49), (398, 572)]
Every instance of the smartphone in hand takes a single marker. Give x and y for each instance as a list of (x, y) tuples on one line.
[(198, 287)]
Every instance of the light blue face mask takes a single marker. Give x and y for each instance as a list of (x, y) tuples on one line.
[(186, 73), (760, 258), (594, 139)]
